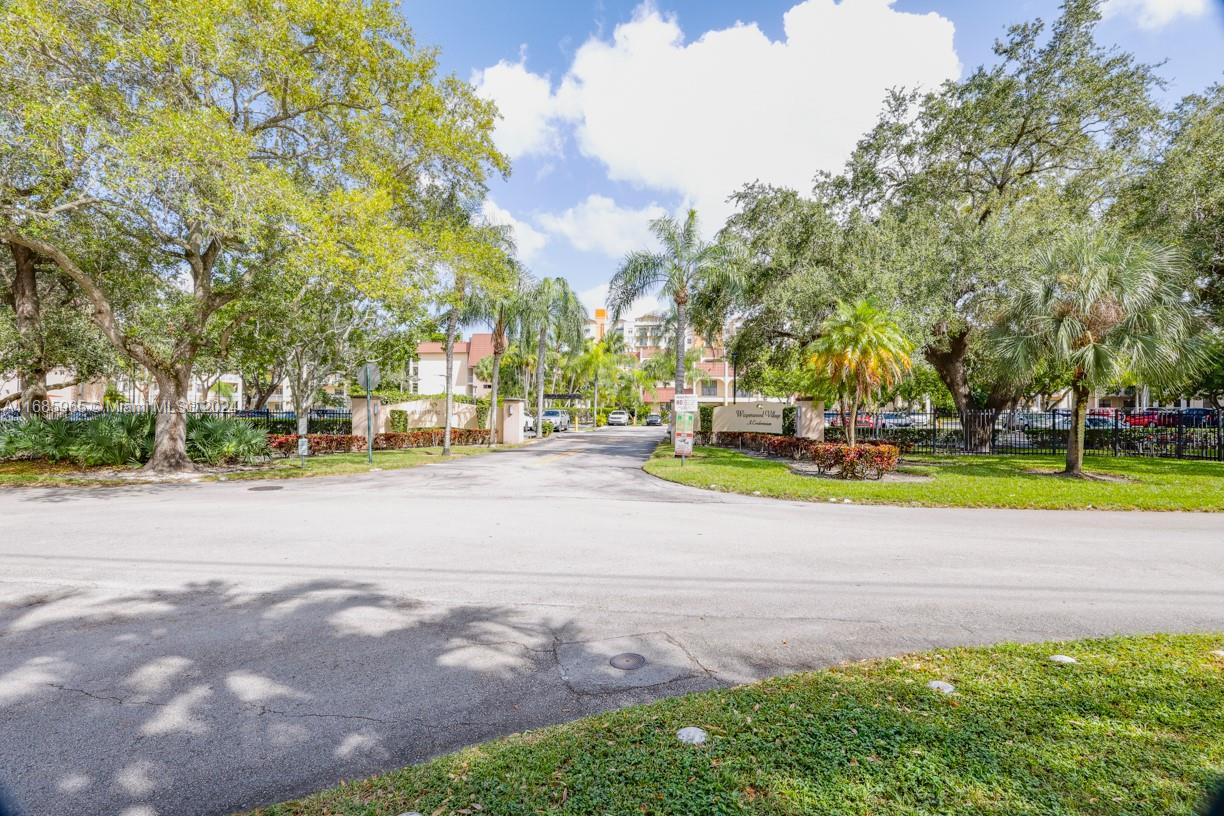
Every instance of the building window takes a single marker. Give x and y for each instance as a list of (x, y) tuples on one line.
[(709, 388)]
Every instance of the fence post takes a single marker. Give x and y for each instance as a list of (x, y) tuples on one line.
[(1116, 417), (1219, 435), (1181, 433), (934, 429), (1054, 431)]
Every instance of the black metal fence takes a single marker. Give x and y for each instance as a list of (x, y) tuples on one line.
[(1175, 433), (321, 420)]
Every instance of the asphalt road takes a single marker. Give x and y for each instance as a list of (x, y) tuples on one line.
[(202, 648)]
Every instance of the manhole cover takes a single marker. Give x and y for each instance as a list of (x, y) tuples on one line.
[(265, 487), (628, 661)]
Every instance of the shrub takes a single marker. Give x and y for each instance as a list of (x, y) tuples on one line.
[(49, 439), (286, 444), (546, 429), (867, 460), (223, 440), (115, 439)]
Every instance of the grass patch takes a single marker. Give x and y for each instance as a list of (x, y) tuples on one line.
[(967, 481), (1137, 728), (343, 464), (53, 474), (67, 474)]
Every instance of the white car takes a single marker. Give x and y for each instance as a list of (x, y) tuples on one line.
[(618, 417), (559, 419), (528, 422)]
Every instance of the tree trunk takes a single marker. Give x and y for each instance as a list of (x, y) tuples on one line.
[(977, 422), (28, 318), (852, 423), (539, 421), (1079, 420), (493, 409), (452, 328), (595, 413), (170, 435), (301, 410)]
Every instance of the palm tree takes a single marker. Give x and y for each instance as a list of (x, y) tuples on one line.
[(553, 313), (861, 350), (685, 266), (1101, 307), (499, 310), (600, 361)]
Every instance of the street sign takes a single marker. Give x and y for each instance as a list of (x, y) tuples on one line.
[(368, 376), (684, 414), (685, 404), (303, 446)]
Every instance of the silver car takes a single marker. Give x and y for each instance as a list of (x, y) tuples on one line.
[(618, 417), (559, 419)]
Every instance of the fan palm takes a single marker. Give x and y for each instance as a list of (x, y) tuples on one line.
[(684, 267), (861, 351), (552, 313), (1100, 307)]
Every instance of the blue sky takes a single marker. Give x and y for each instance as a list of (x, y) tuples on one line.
[(617, 111)]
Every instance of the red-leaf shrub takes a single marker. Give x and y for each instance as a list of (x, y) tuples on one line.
[(866, 460), (286, 444)]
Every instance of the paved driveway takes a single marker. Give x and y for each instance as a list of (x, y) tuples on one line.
[(198, 649)]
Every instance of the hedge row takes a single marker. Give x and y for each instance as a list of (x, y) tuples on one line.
[(343, 443), (866, 460)]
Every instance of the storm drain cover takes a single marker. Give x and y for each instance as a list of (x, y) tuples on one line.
[(265, 488), (635, 661), (627, 661)]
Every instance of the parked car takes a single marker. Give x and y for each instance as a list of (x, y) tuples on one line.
[(559, 419), (654, 419), (528, 422), (618, 417), (834, 419), (895, 419)]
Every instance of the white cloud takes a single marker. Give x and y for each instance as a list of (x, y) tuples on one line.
[(528, 240), (1154, 14), (702, 118), (528, 109), (599, 224)]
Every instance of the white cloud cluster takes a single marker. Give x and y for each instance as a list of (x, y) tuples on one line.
[(528, 124), (528, 240), (1155, 14), (701, 118), (599, 224)]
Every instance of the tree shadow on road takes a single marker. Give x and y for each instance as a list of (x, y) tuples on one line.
[(207, 699)]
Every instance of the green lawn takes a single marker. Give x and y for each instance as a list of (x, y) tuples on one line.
[(1136, 728), (45, 474), (342, 464), (967, 481)]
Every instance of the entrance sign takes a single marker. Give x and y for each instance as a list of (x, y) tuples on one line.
[(755, 418), (684, 414)]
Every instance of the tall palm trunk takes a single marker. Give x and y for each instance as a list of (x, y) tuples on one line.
[(1079, 420), (493, 407), (681, 337), (539, 421), (595, 414), (452, 328)]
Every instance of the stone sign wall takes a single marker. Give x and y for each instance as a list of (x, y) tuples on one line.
[(753, 417)]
